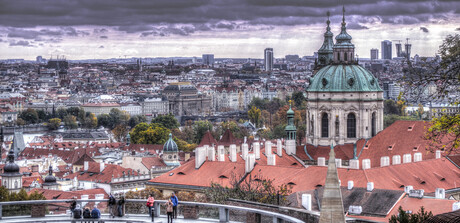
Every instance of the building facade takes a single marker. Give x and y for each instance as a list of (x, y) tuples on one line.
[(268, 59), (184, 99), (386, 50)]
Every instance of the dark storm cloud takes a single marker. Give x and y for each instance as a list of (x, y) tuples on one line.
[(424, 29), (20, 43), (101, 47), (457, 29), (356, 26), (103, 37), (38, 35), (185, 17)]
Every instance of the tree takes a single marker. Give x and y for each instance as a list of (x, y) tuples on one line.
[(30, 116), (298, 98), (405, 217), (20, 121), (103, 120), (90, 121), (149, 134), (54, 123), (254, 115), (70, 121), (390, 119), (134, 120), (390, 107), (200, 128), (118, 117), (61, 113), (42, 116), (120, 133), (168, 121), (444, 133)]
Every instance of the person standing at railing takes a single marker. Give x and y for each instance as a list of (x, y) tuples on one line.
[(175, 202), (120, 204), (95, 213), (150, 202), (77, 213), (73, 205), (112, 202), (169, 210)]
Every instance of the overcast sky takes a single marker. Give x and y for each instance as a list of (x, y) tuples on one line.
[(83, 29)]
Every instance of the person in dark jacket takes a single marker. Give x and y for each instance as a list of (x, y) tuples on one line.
[(95, 213), (73, 205), (87, 214), (77, 213), (120, 204), (175, 202)]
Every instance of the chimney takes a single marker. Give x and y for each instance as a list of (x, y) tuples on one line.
[(268, 148), (440, 193), (221, 153), (396, 159), (101, 166), (211, 153), (233, 152), (245, 139), (187, 157), (290, 147), (245, 150), (250, 162), (86, 166), (34, 168), (306, 201), (321, 161), (370, 186), (338, 163), (366, 164), (438, 154), (357, 210), (417, 157), (271, 160), (416, 193), (354, 164), (350, 184), (279, 147), (384, 161), (200, 156), (407, 158), (408, 188), (256, 149), (456, 206)]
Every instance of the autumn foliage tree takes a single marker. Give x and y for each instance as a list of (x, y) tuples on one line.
[(254, 115), (152, 133)]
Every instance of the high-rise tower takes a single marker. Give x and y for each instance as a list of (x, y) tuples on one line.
[(386, 50), (268, 59)]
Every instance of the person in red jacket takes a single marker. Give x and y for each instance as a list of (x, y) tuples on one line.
[(150, 202)]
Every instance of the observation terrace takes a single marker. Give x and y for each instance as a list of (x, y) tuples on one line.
[(136, 211)]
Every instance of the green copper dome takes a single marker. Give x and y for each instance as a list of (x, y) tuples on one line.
[(343, 78)]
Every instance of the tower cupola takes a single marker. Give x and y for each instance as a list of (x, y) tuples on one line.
[(343, 49)]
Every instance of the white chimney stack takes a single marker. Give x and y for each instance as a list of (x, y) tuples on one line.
[(279, 147), (350, 184), (211, 153), (408, 188), (200, 156), (354, 164), (268, 148), (101, 166), (438, 154), (366, 164), (407, 158), (306, 201), (221, 153), (290, 147), (384, 161), (233, 152), (256, 148), (456, 206), (250, 162), (271, 160), (355, 209), (338, 163), (440, 193), (370, 186), (396, 159), (245, 150), (321, 161), (417, 157), (86, 165)]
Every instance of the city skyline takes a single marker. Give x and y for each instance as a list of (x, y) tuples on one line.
[(227, 29)]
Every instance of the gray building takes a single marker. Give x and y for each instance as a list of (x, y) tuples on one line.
[(268, 59), (208, 59), (184, 99), (386, 50), (374, 54)]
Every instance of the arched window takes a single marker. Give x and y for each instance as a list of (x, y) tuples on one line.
[(345, 56), (373, 127), (5, 184), (325, 126), (351, 126), (16, 184), (338, 56)]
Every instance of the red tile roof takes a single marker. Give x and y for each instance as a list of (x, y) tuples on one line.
[(150, 162), (208, 139), (93, 174)]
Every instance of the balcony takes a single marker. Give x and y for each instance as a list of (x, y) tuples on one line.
[(135, 211)]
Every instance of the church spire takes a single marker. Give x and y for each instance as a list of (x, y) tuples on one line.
[(344, 50), (325, 53)]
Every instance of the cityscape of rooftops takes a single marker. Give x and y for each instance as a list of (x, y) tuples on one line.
[(230, 111)]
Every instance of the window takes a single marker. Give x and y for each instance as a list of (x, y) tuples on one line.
[(373, 127), (345, 56), (338, 56), (351, 126), (325, 126)]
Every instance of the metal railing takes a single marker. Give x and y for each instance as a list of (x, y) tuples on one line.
[(224, 210)]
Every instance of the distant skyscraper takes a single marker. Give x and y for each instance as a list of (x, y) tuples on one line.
[(374, 54), (386, 50), (208, 59), (268, 59), (407, 47), (398, 50)]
